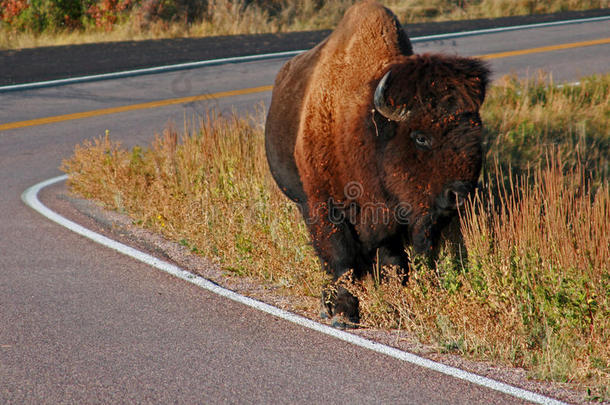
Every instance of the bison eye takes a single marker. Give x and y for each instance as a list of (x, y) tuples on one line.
[(421, 140)]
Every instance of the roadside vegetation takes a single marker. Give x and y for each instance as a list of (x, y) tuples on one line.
[(32, 23), (527, 283)]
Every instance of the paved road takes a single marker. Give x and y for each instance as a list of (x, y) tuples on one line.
[(80, 323), (28, 65)]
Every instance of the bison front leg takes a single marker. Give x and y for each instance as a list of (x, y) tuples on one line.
[(339, 251), (422, 236), (392, 253)]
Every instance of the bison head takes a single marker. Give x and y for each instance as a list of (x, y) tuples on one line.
[(428, 134)]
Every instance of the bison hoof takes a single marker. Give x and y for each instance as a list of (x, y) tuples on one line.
[(340, 321), (324, 313)]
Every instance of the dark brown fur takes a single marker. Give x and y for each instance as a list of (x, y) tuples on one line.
[(349, 168)]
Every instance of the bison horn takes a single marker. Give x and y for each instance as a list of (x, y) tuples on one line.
[(388, 110)]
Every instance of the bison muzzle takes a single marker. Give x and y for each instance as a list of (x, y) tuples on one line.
[(376, 145)]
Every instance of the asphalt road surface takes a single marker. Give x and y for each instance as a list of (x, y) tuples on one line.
[(83, 324)]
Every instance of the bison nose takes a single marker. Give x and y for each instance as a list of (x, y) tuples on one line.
[(454, 195)]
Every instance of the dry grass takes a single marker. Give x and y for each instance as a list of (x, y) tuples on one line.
[(538, 257), (528, 284), (211, 191), (523, 119), (226, 17), (443, 10)]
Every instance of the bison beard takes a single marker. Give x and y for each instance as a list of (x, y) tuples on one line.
[(377, 146)]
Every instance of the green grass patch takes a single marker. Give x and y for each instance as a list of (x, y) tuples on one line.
[(526, 284)]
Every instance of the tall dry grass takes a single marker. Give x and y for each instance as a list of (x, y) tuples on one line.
[(524, 118), (539, 250), (227, 17), (443, 10), (209, 189), (528, 284)]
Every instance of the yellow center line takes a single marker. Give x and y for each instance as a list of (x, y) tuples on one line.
[(132, 107), (542, 49), (261, 89)]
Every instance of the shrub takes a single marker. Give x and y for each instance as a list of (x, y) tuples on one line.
[(40, 15), (106, 13), (11, 9)]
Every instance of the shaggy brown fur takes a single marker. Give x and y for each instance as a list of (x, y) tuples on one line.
[(364, 182)]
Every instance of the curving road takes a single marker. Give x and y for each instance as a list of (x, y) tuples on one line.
[(83, 324)]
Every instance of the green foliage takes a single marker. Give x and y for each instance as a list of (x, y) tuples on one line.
[(38, 16), (41, 15)]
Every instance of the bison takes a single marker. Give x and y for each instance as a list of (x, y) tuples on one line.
[(377, 146)]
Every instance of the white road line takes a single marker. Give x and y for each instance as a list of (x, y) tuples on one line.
[(153, 70), (30, 198), (506, 29), (277, 55)]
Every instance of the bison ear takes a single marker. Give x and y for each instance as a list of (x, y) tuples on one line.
[(477, 78)]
